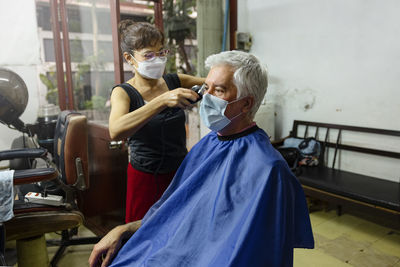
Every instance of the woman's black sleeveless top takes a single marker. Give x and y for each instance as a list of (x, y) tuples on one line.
[(160, 145)]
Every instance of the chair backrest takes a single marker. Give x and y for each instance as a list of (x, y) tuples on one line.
[(323, 132), (71, 148)]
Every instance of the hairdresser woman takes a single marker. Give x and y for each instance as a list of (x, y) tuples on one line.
[(148, 111)]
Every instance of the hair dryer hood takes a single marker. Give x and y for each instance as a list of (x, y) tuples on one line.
[(13, 97)]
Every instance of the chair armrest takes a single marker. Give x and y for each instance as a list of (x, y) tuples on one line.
[(34, 175), (278, 143), (23, 153)]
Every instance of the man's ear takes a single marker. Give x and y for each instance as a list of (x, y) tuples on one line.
[(248, 104)]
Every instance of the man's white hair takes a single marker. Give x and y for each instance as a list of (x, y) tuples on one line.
[(250, 77)]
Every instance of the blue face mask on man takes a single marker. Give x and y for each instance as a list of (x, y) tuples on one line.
[(212, 112)]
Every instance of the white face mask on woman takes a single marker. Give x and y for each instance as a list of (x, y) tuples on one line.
[(151, 68)]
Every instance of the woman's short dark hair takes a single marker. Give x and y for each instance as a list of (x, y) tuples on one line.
[(137, 35)]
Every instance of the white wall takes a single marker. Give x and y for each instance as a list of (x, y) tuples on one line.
[(19, 46), (333, 61)]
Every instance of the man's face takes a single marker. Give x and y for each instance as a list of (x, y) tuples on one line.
[(219, 82)]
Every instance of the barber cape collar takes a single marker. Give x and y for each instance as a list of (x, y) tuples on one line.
[(232, 203)]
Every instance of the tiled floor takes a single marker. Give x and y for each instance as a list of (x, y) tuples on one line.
[(339, 241), (349, 241)]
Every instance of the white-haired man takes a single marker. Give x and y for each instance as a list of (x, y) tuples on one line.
[(233, 201)]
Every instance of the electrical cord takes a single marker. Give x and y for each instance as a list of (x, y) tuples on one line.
[(162, 155)]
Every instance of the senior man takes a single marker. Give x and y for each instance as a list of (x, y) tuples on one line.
[(233, 201)]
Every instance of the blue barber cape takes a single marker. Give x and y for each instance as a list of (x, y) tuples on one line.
[(232, 202)]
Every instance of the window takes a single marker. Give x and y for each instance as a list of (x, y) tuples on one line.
[(90, 50)]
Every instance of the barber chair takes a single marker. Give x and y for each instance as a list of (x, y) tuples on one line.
[(69, 172)]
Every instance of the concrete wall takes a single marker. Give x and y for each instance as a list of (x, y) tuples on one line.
[(333, 61), (20, 52)]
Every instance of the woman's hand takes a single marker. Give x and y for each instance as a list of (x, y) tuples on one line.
[(105, 250), (179, 97), (123, 124)]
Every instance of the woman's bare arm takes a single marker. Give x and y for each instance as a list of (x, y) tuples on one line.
[(187, 81), (123, 124)]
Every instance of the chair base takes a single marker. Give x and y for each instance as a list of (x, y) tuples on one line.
[(66, 241), (32, 252)]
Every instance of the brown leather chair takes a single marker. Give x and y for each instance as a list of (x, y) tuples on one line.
[(68, 171)]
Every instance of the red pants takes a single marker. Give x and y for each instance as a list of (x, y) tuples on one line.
[(143, 190)]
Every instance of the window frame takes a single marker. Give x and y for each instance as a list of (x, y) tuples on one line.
[(59, 16)]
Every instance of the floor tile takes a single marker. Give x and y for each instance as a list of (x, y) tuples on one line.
[(389, 244), (319, 217), (337, 226), (368, 232), (315, 258), (342, 248), (370, 257), (397, 264)]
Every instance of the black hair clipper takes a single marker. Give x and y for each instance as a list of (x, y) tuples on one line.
[(199, 89)]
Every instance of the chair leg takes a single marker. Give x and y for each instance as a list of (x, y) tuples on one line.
[(339, 210), (68, 240), (2, 245), (56, 258), (32, 252)]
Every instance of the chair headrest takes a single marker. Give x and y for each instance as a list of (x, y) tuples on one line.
[(71, 147)]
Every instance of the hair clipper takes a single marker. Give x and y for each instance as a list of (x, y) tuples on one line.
[(199, 89)]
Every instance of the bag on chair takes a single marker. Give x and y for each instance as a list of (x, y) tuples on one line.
[(309, 149), (292, 157)]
